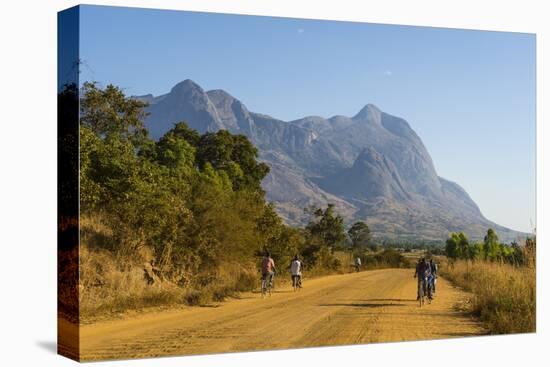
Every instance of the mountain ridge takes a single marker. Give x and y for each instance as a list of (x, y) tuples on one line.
[(372, 166)]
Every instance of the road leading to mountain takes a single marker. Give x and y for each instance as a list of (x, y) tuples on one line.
[(366, 307)]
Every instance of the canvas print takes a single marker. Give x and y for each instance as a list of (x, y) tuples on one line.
[(234, 183)]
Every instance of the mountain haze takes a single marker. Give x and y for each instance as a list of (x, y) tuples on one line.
[(372, 166)]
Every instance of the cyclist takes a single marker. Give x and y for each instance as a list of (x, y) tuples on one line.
[(421, 269), (433, 267), (428, 275), (296, 271), (357, 263), (268, 269)]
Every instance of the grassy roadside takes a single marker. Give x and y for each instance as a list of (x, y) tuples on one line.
[(504, 296), (113, 287)]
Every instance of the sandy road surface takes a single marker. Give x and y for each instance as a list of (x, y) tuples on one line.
[(365, 307)]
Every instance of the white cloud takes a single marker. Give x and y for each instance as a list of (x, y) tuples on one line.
[(388, 73), (301, 30)]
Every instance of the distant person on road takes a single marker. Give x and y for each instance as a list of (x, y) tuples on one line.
[(422, 271), (357, 263), (268, 268), (296, 271), (429, 279), (433, 268)]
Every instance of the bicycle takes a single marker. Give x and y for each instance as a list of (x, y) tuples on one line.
[(296, 282), (267, 285), (423, 288), (431, 288)]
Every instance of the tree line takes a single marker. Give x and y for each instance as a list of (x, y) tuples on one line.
[(458, 246)]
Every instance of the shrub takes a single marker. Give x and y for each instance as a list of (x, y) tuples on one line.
[(388, 258)]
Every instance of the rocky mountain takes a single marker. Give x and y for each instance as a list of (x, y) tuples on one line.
[(372, 166)]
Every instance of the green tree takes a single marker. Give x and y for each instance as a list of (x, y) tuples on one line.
[(109, 112), (327, 226), (111, 137), (360, 236), (463, 246), (269, 226), (182, 130), (476, 251), (491, 246), (235, 155), (451, 246), (176, 153)]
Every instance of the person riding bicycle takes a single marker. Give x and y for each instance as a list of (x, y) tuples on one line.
[(268, 268), (433, 268), (422, 267), (429, 280), (357, 263), (296, 271)]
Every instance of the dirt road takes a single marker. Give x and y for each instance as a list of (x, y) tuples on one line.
[(365, 307)]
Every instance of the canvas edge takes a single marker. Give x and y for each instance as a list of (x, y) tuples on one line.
[(68, 215)]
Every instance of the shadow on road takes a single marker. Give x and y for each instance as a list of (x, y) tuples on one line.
[(273, 292), (389, 300), (366, 305)]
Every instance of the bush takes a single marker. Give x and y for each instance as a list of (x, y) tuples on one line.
[(388, 258)]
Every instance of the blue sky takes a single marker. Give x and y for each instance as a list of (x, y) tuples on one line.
[(470, 95)]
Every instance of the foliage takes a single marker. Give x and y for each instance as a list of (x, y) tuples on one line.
[(194, 200), (491, 249), (327, 227), (235, 155), (389, 258), (323, 234), (458, 247), (107, 112), (359, 234)]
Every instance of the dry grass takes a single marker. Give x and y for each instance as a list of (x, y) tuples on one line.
[(111, 283), (504, 296), (227, 282)]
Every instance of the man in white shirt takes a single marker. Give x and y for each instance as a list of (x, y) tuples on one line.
[(357, 263), (296, 272)]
